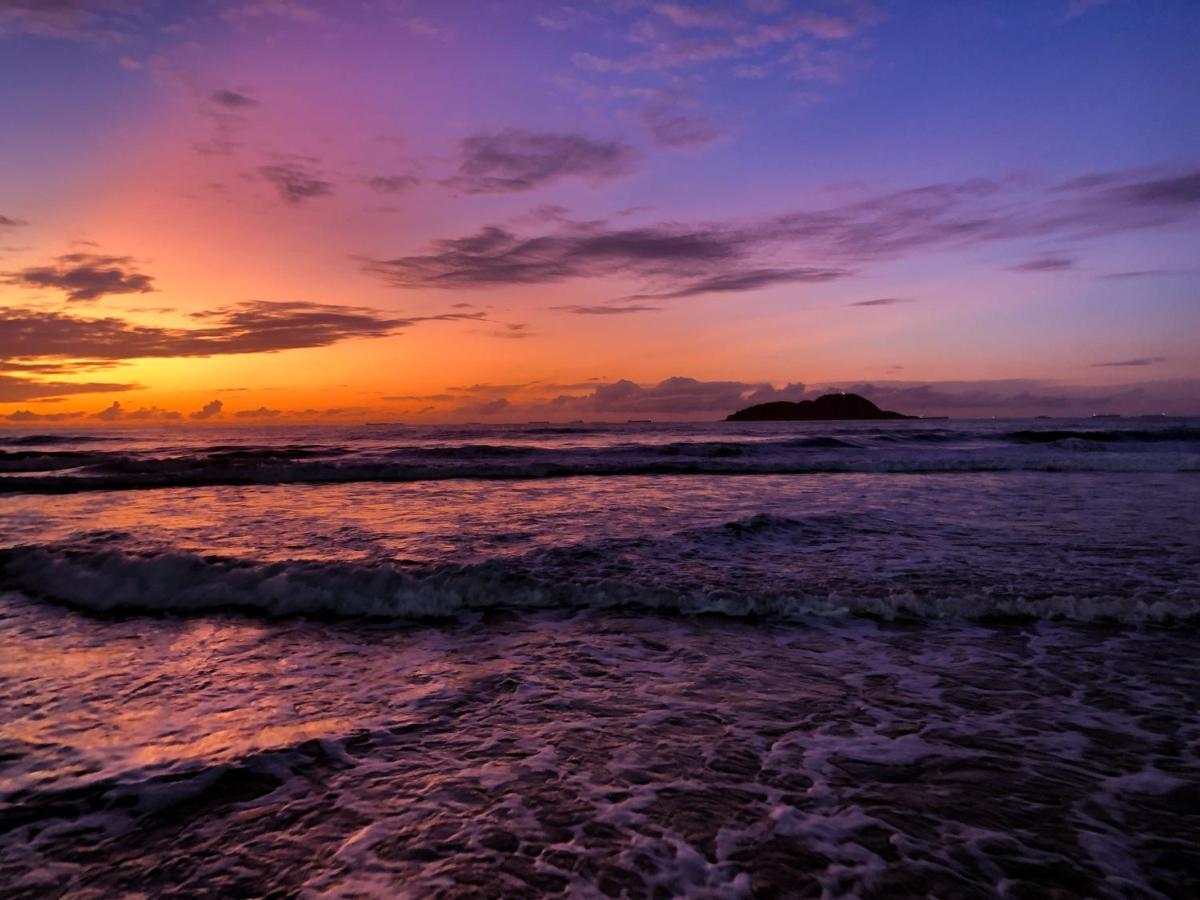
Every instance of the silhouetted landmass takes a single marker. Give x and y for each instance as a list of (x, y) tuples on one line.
[(828, 406)]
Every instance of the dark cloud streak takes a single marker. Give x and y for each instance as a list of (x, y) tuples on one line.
[(84, 276)]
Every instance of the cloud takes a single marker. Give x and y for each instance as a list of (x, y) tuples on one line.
[(760, 36), (614, 310), (690, 17), (733, 255), (110, 413), (672, 396), (85, 276), (259, 326), (495, 256), (154, 413), (883, 301), (230, 99), (1044, 264), (1027, 397), (10, 222), (484, 407), (15, 390), (392, 184), (261, 413), (230, 111), (102, 22), (116, 412), (518, 160), (209, 410), (751, 280), (1138, 362), (294, 10), (296, 180), (1137, 273), (670, 126), (26, 415)]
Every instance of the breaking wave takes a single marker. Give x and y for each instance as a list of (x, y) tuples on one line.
[(601, 575), (66, 472)]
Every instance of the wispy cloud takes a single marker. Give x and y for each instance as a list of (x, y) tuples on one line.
[(1137, 362), (297, 179), (104, 22), (682, 260), (518, 160), (1044, 264), (883, 301), (392, 184), (614, 310), (16, 390), (751, 280)]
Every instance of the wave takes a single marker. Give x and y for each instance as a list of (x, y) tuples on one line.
[(49, 440), (598, 576), (1178, 434), (190, 472)]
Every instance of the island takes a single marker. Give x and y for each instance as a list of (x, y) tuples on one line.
[(825, 407)]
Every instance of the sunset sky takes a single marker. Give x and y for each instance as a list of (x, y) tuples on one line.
[(249, 210)]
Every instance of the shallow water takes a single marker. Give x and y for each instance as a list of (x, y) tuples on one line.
[(897, 679)]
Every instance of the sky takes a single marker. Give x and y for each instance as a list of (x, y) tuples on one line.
[(245, 211)]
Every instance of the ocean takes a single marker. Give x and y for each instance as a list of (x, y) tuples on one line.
[(876, 659)]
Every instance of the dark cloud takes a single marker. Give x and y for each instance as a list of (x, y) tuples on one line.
[(230, 99), (85, 276), (296, 180), (1137, 362), (1138, 273), (673, 396), (517, 160), (255, 327), (751, 280), (484, 407), (10, 222), (392, 184), (261, 413), (883, 301), (1044, 264), (1027, 397), (154, 413), (420, 398), (606, 310), (210, 410), (15, 390), (512, 331), (27, 415), (495, 256), (115, 412), (682, 260)]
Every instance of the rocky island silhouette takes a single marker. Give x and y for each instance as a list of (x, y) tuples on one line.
[(825, 407)]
